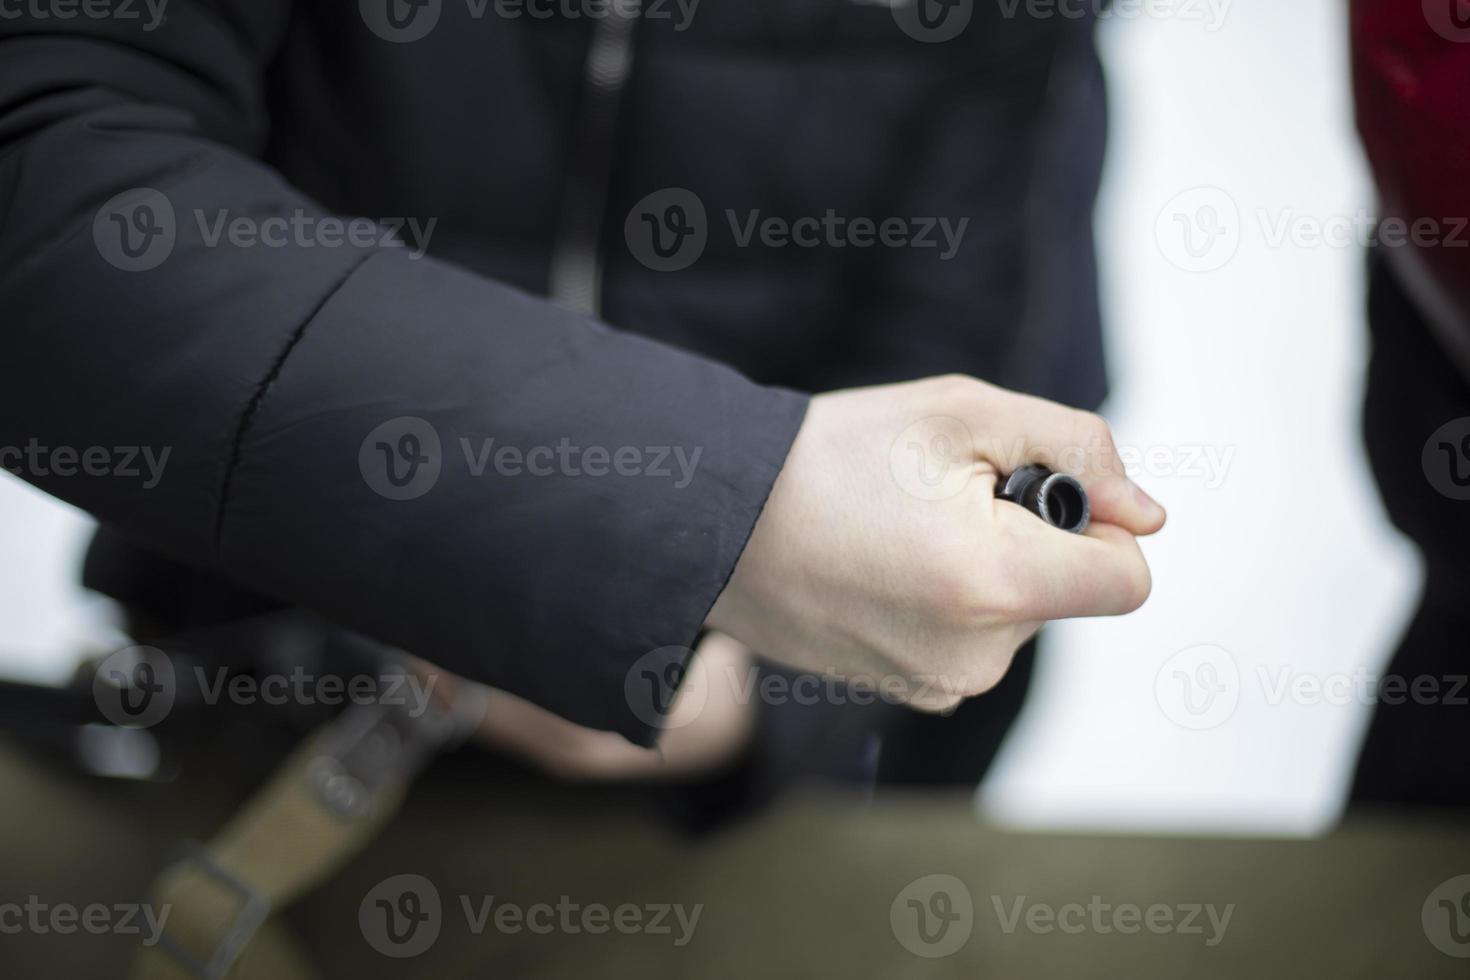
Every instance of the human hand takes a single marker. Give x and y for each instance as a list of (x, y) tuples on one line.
[(707, 725), (870, 562)]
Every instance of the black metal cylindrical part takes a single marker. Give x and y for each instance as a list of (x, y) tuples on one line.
[(1056, 498)]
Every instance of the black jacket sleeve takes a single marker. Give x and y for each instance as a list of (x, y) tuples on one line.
[(327, 412)]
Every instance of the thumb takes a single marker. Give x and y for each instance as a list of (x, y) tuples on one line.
[(1118, 500), (1024, 429)]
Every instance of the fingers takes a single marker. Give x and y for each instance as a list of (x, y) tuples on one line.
[(1123, 503), (936, 703), (1056, 575), (708, 724), (556, 746), (1020, 429)]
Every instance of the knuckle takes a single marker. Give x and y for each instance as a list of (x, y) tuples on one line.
[(962, 387), (567, 770), (988, 671), (974, 601), (996, 594), (1094, 426), (943, 705), (1005, 600), (946, 583), (910, 662)]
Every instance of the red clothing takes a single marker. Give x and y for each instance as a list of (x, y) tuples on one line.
[(1411, 73)]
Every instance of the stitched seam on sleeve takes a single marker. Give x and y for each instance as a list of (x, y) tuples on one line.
[(258, 396)]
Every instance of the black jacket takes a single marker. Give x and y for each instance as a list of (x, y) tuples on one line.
[(296, 384)]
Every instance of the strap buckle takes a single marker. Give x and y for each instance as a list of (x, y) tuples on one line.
[(254, 909), (372, 748)]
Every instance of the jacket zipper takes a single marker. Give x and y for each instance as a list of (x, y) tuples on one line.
[(577, 261)]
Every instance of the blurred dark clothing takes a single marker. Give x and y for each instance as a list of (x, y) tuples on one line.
[(265, 368), (1415, 749), (1411, 80), (1411, 74), (280, 375)]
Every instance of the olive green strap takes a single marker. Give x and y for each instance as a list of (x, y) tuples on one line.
[(325, 803)]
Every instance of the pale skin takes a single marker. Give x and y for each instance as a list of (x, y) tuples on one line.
[(848, 573)]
